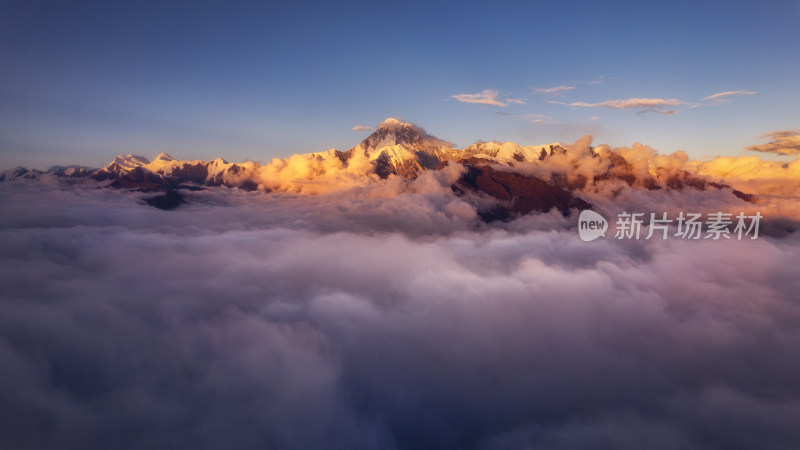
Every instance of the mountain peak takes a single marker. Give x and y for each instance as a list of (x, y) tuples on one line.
[(393, 131), (130, 161), (393, 123), (164, 157)]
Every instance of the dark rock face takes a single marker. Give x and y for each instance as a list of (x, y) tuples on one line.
[(518, 194), (21, 172), (141, 179), (543, 155), (383, 168), (618, 169), (557, 150), (191, 173), (170, 200), (428, 160), (247, 185), (72, 171), (684, 180), (409, 136), (573, 183)]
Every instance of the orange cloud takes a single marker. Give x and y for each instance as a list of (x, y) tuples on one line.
[(784, 142)]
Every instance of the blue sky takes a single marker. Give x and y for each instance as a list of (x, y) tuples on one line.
[(81, 82)]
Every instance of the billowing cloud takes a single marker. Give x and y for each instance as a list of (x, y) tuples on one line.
[(488, 97), (643, 104), (720, 96), (362, 128), (783, 142), (384, 315), (554, 91), (358, 320)]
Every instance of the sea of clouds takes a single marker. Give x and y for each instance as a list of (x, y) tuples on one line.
[(387, 316)]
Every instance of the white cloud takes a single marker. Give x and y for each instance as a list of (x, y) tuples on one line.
[(538, 118), (554, 91), (488, 97), (599, 80), (720, 96), (362, 128), (642, 104)]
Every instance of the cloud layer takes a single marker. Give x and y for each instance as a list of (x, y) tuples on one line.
[(237, 333), (385, 316)]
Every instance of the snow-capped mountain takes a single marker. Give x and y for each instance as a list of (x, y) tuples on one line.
[(394, 148), (404, 149), (400, 149), (164, 170), (130, 162), (507, 152), (21, 173), (392, 132)]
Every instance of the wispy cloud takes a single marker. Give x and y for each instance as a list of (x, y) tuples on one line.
[(488, 97), (658, 105), (554, 91), (538, 118), (783, 142), (720, 96), (599, 80), (362, 128)]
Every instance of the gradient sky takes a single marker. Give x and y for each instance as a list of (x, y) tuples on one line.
[(83, 81)]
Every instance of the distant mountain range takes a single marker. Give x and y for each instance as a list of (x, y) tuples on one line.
[(398, 149)]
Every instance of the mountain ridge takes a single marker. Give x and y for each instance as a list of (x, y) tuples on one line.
[(518, 177)]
